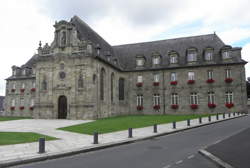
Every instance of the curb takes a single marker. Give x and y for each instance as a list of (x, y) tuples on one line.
[(48, 156), (215, 159)]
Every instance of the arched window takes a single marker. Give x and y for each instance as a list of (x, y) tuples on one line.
[(80, 81), (121, 88), (44, 84), (191, 55), (102, 83), (112, 87)]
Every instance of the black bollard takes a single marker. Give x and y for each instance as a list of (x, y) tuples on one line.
[(95, 136), (229, 115), (155, 128), (217, 116), (174, 124), (224, 116), (130, 133), (200, 120), (209, 118), (41, 145), (188, 122), (234, 113)]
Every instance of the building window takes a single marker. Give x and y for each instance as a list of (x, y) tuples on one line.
[(24, 72), (173, 59), (21, 102), (228, 73), (13, 102), (156, 60), (229, 97), (112, 87), (156, 99), (191, 55), (102, 83), (44, 84), (80, 81), (140, 62), (194, 98), (156, 77), (139, 100), (211, 98), (174, 98), (121, 89), (209, 54), (139, 79), (32, 103), (23, 85), (173, 76), (13, 86), (14, 72), (94, 78), (226, 55), (210, 74), (191, 76)]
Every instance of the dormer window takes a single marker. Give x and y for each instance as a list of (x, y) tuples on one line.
[(14, 72), (173, 57), (156, 60), (24, 72), (140, 61), (192, 55), (209, 54), (225, 55)]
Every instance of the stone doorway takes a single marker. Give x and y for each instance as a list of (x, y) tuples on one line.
[(62, 107)]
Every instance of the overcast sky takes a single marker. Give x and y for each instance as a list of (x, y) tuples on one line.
[(25, 22)]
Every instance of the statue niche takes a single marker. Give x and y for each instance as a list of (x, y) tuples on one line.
[(63, 39)]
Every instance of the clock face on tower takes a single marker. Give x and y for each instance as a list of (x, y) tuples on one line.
[(62, 75)]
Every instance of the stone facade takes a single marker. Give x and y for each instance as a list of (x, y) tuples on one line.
[(81, 76)]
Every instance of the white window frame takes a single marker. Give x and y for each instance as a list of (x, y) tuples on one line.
[(226, 55), (139, 100), (208, 55), (229, 97), (173, 59), (34, 84), (210, 74), (24, 72), (156, 60), (211, 98), (32, 103), (194, 98), (13, 85), (139, 79), (14, 72), (139, 62), (173, 76), (13, 102), (191, 75), (174, 98), (22, 102), (156, 99), (192, 56), (228, 73), (156, 77), (23, 85)]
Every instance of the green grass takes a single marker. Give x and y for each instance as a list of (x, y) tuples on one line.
[(8, 138), (12, 118), (113, 124)]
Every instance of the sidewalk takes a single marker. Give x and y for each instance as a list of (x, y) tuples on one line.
[(70, 143)]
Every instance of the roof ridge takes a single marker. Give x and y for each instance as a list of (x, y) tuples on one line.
[(178, 38)]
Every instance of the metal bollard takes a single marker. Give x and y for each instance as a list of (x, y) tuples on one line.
[(41, 145), (174, 124), (229, 115), (130, 133), (95, 136), (155, 128), (217, 116), (188, 122), (209, 118), (234, 113), (200, 120), (224, 115)]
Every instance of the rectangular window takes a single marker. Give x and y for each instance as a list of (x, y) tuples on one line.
[(13, 86), (193, 98), (156, 77), (21, 102), (33, 84), (225, 55), (139, 62), (139, 79), (229, 97), (121, 89), (32, 103), (156, 99), (174, 98), (211, 98), (24, 72), (173, 76), (192, 56), (173, 59), (23, 85), (190, 75), (210, 74), (13, 102), (228, 73), (139, 99), (156, 60), (208, 56)]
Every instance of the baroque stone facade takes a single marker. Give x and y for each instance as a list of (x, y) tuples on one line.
[(81, 76)]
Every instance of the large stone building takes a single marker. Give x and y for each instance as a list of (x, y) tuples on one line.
[(80, 76)]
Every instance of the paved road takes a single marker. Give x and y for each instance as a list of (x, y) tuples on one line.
[(175, 150)]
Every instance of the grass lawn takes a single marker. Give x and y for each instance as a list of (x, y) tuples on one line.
[(7, 138), (12, 118), (113, 124)]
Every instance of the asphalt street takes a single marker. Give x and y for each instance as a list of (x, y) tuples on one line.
[(175, 150)]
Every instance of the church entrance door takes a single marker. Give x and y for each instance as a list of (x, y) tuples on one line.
[(62, 107)]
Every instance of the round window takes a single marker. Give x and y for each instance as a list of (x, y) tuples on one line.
[(62, 75)]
